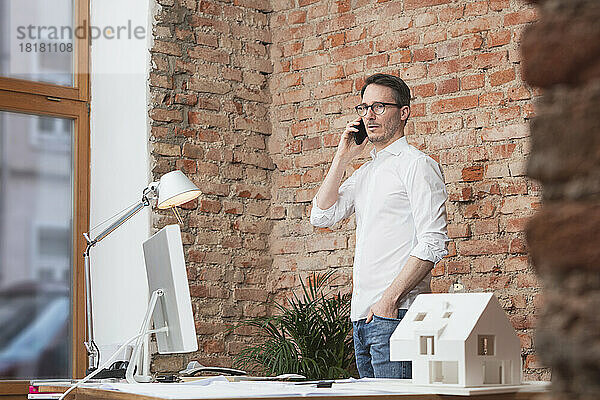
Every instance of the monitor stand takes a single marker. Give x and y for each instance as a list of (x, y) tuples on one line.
[(140, 356)]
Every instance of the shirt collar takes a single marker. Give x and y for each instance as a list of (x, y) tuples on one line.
[(394, 148)]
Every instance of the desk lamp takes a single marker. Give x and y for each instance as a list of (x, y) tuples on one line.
[(172, 190)]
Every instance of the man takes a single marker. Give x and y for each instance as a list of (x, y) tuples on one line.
[(401, 231)]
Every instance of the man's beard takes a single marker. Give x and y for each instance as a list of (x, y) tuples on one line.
[(389, 130)]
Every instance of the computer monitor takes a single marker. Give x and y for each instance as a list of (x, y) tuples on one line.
[(165, 267), (170, 308)]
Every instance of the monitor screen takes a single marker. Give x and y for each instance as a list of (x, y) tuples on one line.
[(165, 267)]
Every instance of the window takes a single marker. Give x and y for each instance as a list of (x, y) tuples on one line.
[(420, 316), (52, 134), (445, 372), (39, 42), (497, 372), (51, 249), (44, 187), (426, 345), (485, 345)]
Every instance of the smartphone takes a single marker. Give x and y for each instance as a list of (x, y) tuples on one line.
[(361, 135)]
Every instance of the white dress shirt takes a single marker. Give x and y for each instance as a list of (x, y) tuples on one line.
[(399, 201)]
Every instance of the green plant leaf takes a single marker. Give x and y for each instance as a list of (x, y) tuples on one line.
[(310, 336)]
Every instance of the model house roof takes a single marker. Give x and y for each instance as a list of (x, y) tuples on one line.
[(446, 316)]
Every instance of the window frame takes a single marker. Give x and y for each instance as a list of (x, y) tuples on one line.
[(80, 89), (39, 98)]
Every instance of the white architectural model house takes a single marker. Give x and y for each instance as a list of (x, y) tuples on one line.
[(460, 339)]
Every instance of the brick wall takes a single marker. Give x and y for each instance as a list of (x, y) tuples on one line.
[(209, 112), (256, 125), (470, 110), (561, 55)]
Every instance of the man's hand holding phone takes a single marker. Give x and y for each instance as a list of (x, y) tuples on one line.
[(352, 141)]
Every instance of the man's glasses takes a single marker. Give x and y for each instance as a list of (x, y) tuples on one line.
[(378, 108)]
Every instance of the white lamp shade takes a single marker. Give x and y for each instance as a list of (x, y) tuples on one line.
[(175, 189)]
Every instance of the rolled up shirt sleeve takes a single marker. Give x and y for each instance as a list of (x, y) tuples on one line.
[(427, 194), (343, 207)]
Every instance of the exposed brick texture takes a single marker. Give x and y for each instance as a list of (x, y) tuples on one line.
[(563, 236), (209, 107), (250, 98), (470, 111)]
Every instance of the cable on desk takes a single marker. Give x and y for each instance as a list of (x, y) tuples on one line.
[(107, 362)]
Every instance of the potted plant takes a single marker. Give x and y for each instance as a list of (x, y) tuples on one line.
[(311, 336)]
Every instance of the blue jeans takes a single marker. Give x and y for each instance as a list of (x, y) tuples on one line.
[(372, 348)]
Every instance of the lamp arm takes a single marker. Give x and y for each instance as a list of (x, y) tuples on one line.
[(92, 348), (130, 213)]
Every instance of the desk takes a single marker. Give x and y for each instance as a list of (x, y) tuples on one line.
[(96, 393), (14, 390)]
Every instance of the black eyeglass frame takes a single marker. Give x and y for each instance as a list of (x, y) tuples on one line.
[(372, 105)]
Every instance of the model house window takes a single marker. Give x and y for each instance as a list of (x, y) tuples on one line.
[(497, 372), (445, 372), (420, 316), (485, 345), (426, 345)]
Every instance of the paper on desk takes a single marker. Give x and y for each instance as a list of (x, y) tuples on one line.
[(221, 388), (206, 381)]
